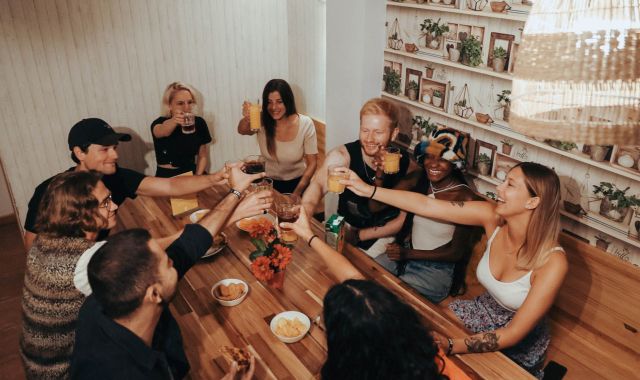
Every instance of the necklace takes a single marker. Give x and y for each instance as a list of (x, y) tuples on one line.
[(435, 190), (366, 172)]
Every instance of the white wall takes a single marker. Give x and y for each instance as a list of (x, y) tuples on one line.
[(355, 43), (70, 59)]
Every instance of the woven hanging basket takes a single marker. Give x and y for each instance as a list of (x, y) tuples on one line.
[(393, 41), (577, 76), (462, 105)]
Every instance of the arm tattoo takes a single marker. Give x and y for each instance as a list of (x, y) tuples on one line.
[(457, 203), (488, 343)]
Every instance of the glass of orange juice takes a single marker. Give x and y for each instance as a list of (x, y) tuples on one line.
[(392, 160), (333, 179), (254, 116)]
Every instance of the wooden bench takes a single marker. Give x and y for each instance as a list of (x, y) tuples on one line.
[(596, 317)]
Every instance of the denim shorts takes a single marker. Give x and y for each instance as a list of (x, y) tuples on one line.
[(432, 279)]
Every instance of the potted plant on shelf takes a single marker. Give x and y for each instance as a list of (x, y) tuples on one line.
[(391, 81), (499, 59), (463, 110), (433, 32), (484, 164), (506, 146), (599, 152), (412, 90), (425, 126), (436, 98), (615, 202), (504, 99), (471, 51), (429, 71), (454, 52)]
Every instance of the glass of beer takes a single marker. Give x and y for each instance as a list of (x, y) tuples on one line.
[(253, 164), (265, 183), (288, 211), (333, 179), (189, 125), (254, 116), (392, 160)]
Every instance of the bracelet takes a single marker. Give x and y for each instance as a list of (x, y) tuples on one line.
[(374, 191), (311, 239), (235, 192), (450, 347)]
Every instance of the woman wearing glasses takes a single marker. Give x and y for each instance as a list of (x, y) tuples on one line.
[(75, 207)]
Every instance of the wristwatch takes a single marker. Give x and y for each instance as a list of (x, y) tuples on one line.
[(235, 192)]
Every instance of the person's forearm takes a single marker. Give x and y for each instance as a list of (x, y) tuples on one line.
[(442, 253), (305, 180), (311, 197), (202, 163), (389, 229), (29, 237), (164, 129), (406, 183), (483, 342), (216, 219), (337, 264)]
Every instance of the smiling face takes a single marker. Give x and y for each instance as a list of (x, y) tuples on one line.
[(437, 169), (513, 196), (106, 207), (275, 106), (167, 276), (375, 132), (182, 101), (101, 158)]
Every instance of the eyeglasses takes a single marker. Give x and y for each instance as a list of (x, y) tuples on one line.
[(106, 203)]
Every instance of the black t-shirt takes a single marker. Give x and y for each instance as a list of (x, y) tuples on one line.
[(355, 209), (179, 149), (105, 349), (123, 184)]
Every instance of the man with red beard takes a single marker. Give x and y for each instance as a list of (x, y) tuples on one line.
[(369, 220)]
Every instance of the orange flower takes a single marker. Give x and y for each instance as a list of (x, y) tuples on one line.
[(259, 227), (281, 256), (261, 268)]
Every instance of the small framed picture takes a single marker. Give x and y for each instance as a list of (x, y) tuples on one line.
[(500, 40), (395, 66), (503, 165), (412, 84), (626, 157), (484, 157), (434, 93)]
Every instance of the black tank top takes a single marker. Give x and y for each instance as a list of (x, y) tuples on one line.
[(355, 209)]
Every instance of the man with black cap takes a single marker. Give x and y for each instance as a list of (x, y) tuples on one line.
[(93, 144)]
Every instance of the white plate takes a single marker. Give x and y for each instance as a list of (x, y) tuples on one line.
[(267, 216), (197, 215), (227, 282), (213, 250), (291, 315)]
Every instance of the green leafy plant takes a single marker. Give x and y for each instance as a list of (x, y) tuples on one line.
[(434, 28), (471, 51), (491, 195), (461, 103), (562, 145), (499, 53), (484, 158), (618, 198), (391, 81), (507, 142), (437, 94), (424, 124), (504, 97), (413, 85)]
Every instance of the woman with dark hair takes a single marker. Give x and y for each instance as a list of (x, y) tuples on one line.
[(429, 254), (287, 139), (179, 137), (371, 333), (522, 268), (75, 207)]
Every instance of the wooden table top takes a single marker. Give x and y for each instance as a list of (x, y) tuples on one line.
[(207, 326)]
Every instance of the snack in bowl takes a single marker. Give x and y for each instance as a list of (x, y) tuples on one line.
[(256, 225), (238, 355), (230, 291), (219, 242), (290, 326)]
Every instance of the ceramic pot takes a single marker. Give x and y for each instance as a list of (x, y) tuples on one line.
[(598, 152), (498, 65), (608, 210), (506, 149), (413, 94), (426, 98), (499, 6), (437, 101), (506, 112), (454, 55), (483, 168)]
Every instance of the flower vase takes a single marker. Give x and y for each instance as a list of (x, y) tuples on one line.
[(277, 281)]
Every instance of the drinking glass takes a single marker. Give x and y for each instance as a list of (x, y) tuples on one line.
[(189, 125), (254, 116), (333, 179), (392, 160), (253, 165), (288, 210), (264, 183)]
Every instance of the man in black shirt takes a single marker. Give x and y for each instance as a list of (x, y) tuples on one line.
[(370, 219), (125, 329), (93, 144)]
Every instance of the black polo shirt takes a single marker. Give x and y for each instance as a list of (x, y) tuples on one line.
[(105, 349), (123, 184)]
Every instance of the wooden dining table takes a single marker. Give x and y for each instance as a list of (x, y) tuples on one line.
[(207, 326)]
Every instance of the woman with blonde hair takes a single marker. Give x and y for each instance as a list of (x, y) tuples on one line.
[(522, 268), (179, 137)]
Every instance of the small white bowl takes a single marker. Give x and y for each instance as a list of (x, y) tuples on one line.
[(291, 315), (227, 282), (197, 215), (267, 216)]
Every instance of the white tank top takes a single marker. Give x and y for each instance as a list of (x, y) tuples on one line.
[(429, 234), (510, 295)]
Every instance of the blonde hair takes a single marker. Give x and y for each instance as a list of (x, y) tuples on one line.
[(170, 92), (379, 106), (544, 225)]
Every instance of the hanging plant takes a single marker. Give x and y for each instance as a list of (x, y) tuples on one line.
[(394, 42), (462, 106), (476, 5)]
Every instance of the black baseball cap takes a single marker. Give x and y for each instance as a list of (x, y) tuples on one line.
[(94, 131)]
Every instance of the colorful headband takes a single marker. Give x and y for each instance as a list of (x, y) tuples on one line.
[(446, 143)]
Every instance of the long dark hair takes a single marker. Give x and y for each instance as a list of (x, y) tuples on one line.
[(283, 88), (372, 334)]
